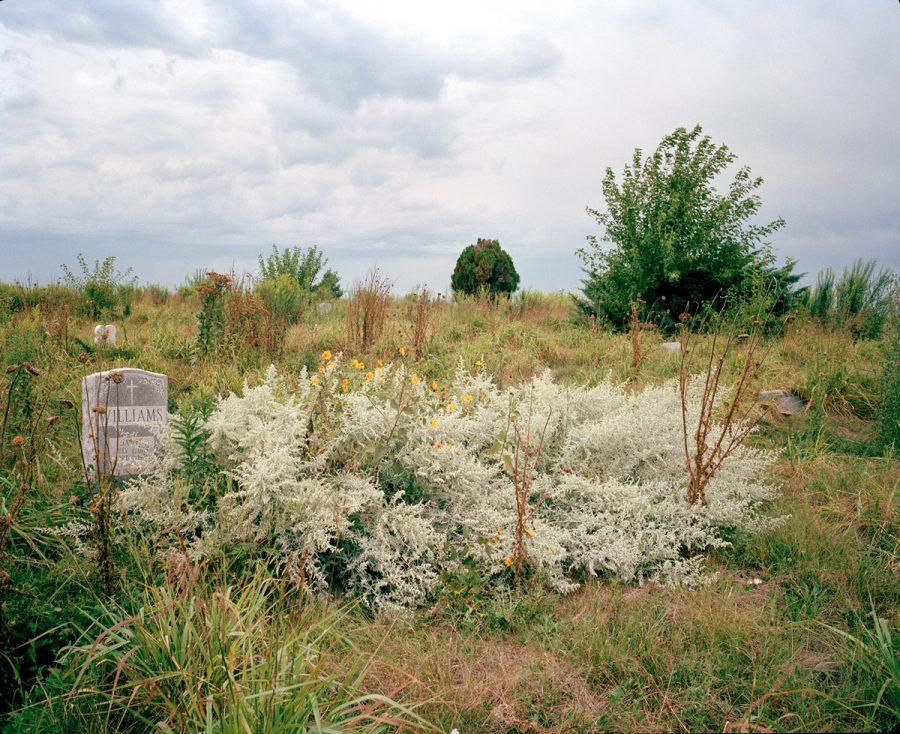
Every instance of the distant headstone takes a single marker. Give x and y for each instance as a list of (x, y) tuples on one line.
[(105, 334), (671, 346), (785, 402), (324, 308), (124, 412)]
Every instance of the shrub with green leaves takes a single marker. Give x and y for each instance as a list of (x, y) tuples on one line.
[(485, 268), (677, 241), (211, 320), (284, 298), (305, 268), (104, 290)]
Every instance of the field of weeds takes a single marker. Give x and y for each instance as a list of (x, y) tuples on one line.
[(118, 619)]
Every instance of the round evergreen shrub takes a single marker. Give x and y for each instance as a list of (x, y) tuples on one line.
[(485, 268)]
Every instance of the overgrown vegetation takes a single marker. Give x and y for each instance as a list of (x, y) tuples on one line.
[(238, 562), (104, 290), (367, 307), (305, 268), (677, 242), (862, 299)]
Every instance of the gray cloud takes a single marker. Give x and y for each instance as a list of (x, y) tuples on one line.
[(190, 133), (339, 58), (100, 22)]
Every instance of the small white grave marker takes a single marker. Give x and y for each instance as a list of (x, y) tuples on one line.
[(671, 346), (105, 334), (123, 412)]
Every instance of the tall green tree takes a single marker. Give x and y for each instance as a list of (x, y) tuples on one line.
[(485, 267), (674, 238)]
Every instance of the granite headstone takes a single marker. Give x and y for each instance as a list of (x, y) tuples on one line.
[(124, 411)]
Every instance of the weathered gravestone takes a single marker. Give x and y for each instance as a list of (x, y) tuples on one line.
[(673, 347), (124, 413), (105, 334)]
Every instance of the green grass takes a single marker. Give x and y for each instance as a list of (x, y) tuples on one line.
[(811, 646)]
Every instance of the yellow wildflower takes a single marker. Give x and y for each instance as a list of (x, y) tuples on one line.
[(451, 407), (345, 384), (321, 368), (328, 364), (326, 355), (530, 532), (434, 385), (414, 378), (467, 398), (551, 548), (402, 351), (369, 376), (359, 365), (379, 363), (438, 446), (507, 562), (313, 380), (479, 362), (434, 422)]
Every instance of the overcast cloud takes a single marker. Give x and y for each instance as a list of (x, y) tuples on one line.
[(179, 134)]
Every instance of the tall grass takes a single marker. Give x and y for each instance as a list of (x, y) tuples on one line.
[(889, 429), (863, 298), (213, 657)]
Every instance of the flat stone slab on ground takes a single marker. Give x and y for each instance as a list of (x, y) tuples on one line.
[(785, 402), (123, 412)]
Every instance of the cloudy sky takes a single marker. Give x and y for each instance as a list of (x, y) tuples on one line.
[(179, 134)]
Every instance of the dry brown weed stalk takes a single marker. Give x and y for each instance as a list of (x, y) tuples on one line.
[(637, 329), (421, 308), (100, 476), (367, 310), (709, 443), (520, 468)]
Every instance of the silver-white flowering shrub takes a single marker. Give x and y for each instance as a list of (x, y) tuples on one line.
[(379, 478)]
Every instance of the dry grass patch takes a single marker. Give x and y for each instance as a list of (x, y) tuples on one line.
[(482, 684)]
